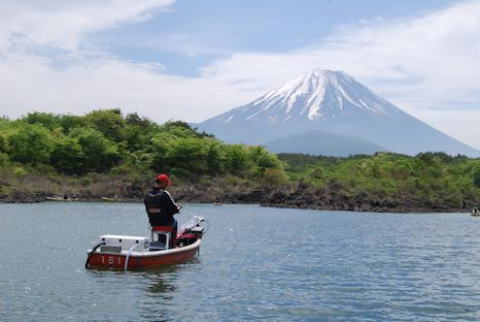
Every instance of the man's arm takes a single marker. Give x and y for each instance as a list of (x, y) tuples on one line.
[(169, 204)]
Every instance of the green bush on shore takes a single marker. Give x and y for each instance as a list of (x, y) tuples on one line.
[(104, 149), (432, 176), (105, 141)]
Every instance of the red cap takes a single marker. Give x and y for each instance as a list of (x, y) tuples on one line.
[(163, 178)]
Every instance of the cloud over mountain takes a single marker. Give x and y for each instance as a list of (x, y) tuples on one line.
[(419, 63)]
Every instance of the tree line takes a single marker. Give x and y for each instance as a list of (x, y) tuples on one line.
[(432, 176), (106, 142), (106, 139)]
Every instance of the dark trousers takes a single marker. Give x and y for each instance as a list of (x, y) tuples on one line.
[(173, 234)]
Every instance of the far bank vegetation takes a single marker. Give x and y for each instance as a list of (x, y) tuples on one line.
[(106, 153)]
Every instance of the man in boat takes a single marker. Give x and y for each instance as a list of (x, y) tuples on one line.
[(161, 208)]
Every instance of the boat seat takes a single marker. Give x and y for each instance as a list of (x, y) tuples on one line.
[(154, 246), (156, 232)]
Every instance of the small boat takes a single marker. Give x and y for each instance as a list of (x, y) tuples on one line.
[(475, 212), (120, 252), (59, 199), (111, 199)]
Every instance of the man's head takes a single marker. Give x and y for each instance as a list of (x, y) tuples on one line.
[(162, 181)]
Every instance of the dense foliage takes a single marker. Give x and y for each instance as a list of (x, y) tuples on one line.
[(105, 140), (433, 176), (109, 152)]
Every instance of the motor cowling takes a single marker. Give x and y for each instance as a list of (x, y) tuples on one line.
[(189, 236)]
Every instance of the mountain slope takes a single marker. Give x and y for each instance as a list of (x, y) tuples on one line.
[(323, 143), (334, 102)]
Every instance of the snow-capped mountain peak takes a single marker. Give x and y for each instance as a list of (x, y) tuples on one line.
[(303, 114), (316, 95)]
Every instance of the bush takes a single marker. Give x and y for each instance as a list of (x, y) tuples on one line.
[(47, 120), (189, 155), (99, 153), (67, 156), (274, 177), (160, 144), (3, 143), (19, 172), (31, 144), (236, 159), (70, 122), (3, 159), (263, 159), (476, 178), (109, 122)]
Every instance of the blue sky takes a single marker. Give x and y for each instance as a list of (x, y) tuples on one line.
[(192, 59), (193, 33)]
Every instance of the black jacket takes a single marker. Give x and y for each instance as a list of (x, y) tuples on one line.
[(160, 199)]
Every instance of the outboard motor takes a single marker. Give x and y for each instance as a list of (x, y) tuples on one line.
[(191, 231)]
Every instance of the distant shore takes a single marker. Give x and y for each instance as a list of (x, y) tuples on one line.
[(182, 194), (301, 197)]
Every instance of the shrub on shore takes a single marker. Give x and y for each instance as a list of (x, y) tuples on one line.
[(107, 143)]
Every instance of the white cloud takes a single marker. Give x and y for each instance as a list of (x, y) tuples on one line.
[(417, 63), (426, 65), (33, 84), (64, 24), (424, 61)]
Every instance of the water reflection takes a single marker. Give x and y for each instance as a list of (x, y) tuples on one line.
[(161, 288), (161, 282)]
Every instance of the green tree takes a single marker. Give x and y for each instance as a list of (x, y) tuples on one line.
[(138, 138), (236, 159), (214, 157), (178, 129), (69, 122), (159, 146), (263, 159), (31, 144), (67, 156), (189, 155), (3, 143), (476, 178), (99, 153), (135, 119), (184, 129), (48, 120), (109, 122)]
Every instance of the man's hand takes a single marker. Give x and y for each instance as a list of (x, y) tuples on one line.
[(179, 206)]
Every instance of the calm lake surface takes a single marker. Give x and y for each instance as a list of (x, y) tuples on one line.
[(255, 264)]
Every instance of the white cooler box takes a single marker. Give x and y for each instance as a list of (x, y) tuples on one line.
[(125, 243)]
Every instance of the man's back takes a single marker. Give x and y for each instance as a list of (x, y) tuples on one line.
[(160, 207)]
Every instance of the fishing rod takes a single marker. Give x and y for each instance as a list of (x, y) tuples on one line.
[(197, 211)]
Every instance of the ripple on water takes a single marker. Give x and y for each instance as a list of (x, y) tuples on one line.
[(255, 263)]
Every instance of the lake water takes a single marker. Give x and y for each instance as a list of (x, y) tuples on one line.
[(255, 264)]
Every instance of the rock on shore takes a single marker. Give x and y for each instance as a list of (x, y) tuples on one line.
[(23, 197), (334, 197), (331, 197)]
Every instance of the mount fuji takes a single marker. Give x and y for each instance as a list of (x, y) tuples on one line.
[(330, 113)]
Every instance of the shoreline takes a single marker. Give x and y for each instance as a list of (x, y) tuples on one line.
[(264, 198)]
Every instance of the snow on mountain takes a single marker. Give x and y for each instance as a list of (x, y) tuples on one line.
[(317, 95), (334, 102)]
